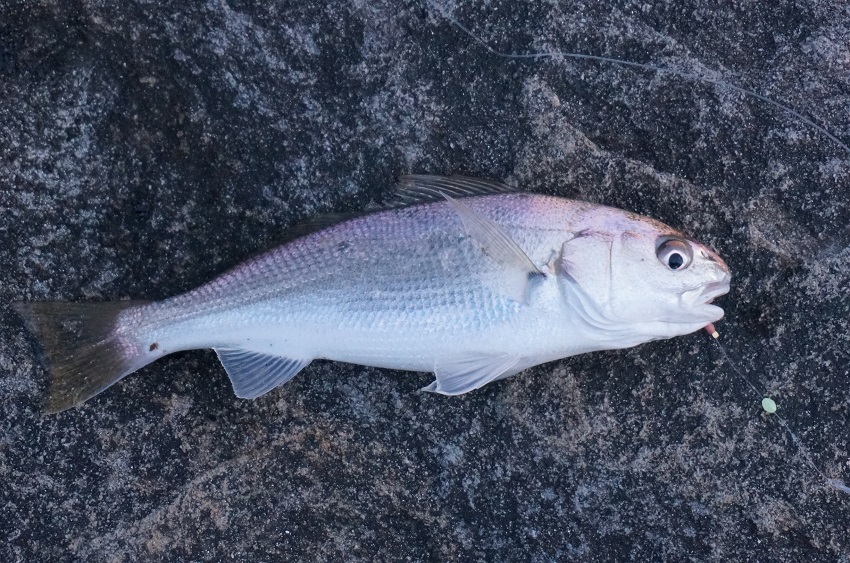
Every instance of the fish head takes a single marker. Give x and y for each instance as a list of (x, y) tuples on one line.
[(636, 276)]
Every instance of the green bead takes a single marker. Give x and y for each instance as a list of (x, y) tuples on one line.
[(768, 405)]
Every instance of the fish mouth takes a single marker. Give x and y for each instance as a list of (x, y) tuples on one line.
[(697, 301), (713, 290)]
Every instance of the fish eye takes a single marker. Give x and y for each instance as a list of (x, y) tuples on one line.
[(674, 253)]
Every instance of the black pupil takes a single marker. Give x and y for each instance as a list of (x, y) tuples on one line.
[(675, 261)]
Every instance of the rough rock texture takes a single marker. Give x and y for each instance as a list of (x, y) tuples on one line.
[(147, 146)]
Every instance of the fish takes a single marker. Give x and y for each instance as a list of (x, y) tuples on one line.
[(470, 279)]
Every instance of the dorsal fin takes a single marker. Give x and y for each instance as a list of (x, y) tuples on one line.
[(425, 188), (410, 190)]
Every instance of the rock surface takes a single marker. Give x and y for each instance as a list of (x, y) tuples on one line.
[(148, 146)]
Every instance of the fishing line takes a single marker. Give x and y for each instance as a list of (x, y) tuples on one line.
[(767, 403), (643, 66), (834, 483)]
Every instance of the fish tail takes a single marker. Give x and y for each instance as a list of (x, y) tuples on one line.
[(85, 347)]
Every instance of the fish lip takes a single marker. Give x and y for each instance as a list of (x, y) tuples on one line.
[(715, 289), (710, 313), (705, 294)]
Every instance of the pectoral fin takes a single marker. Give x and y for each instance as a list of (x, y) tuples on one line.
[(254, 374), (498, 245), (460, 374)]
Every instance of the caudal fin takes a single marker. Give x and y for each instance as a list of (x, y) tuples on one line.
[(85, 353)]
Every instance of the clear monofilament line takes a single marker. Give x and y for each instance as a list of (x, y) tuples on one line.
[(644, 66), (834, 483)]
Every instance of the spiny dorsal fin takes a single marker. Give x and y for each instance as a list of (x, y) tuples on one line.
[(425, 188), (411, 190)]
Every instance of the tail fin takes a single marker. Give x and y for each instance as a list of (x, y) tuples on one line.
[(85, 353)]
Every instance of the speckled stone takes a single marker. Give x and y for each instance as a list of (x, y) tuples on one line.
[(147, 146)]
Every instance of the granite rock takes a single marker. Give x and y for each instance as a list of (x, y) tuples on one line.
[(147, 146)]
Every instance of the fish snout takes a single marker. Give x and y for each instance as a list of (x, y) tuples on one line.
[(712, 256)]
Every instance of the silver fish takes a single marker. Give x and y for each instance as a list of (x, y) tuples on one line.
[(474, 289)]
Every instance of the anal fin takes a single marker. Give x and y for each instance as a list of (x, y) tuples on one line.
[(254, 374), (460, 374)]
